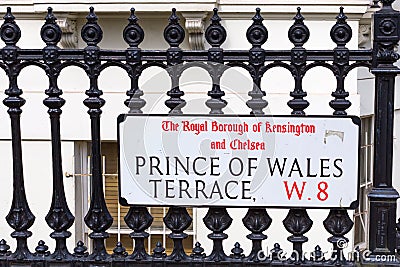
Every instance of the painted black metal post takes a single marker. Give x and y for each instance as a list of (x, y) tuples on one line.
[(98, 218), (383, 196), (20, 217), (59, 217)]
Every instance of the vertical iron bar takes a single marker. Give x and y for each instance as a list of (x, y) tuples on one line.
[(338, 222), (174, 34), (20, 217), (383, 197), (134, 35), (215, 36), (177, 219), (59, 217), (297, 222), (257, 35), (298, 35), (98, 217)]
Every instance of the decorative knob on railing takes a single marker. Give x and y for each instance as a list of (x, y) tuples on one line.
[(174, 34), (119, 251), (4, 248), (257, 33), (133, 33), (91, 32), (341, 32), (215, 33), (299, 32), (10, 32), (198, 252), (159, 251), (51, 32)]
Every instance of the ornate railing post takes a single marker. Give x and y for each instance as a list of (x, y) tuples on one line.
[(134, 35), (257, 35), (59, 217), (20, 217), (98, 217), (383, 196), (298, 35), (174, 34), (338, 222), (138, 219), (341, 34), (257, 221), (215, 36), (177, 220)]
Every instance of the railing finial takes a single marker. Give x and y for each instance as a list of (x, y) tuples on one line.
[(341, 17), (9, 17), (299, 17), (174, 34), (10, 32), (50, 18), (215, 19), (173, 19), (257, 33), (298, 32), (215, 33), (132, 18), (91, 17), (133, 34), (51, 32), (91, 32), (341, 32)]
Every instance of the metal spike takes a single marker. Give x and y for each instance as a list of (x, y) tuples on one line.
[(9, 17), (341, 18), (173, 19), (132, 18), (91, 17), (257, 17), (299, 17), (50, 18), (215, 19)]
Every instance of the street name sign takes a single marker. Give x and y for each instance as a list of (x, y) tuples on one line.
[(239, 161)]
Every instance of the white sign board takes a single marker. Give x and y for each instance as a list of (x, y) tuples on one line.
[(238, 161)]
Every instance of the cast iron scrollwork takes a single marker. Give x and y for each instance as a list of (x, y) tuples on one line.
[(134, 60), (338, 223), (297, 222), (138, 219), (177, 220), (217, 220), (257, 221)]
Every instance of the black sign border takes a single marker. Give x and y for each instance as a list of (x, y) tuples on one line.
[(356, 120)]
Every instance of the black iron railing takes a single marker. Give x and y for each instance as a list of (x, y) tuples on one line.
[(257, 61)]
